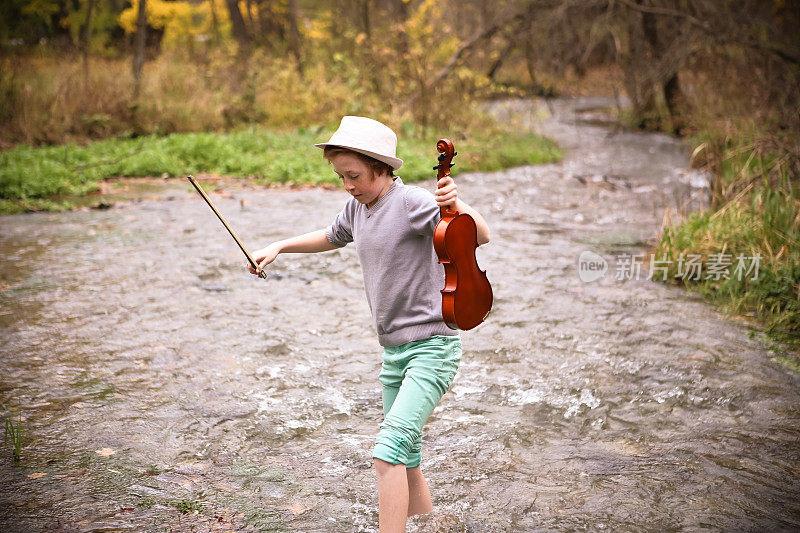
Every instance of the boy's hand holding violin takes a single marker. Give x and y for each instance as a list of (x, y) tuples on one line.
[(447, 193), (447, 196)]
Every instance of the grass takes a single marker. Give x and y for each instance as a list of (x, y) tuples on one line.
[(187, 506), (16, 433), (43, 99), (756, 213), (40, 178)]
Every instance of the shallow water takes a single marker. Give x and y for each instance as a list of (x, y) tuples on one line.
[(155, 376)]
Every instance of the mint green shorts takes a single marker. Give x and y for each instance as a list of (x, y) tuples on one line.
[(414, 376)]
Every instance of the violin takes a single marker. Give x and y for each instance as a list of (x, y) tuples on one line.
[(467, 294)]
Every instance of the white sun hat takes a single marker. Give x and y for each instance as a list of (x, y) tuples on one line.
[(366, 136)]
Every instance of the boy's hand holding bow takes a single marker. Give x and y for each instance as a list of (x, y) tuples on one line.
[(264, 257)]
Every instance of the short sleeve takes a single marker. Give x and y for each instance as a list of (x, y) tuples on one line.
[(341, 231), (423, 211)]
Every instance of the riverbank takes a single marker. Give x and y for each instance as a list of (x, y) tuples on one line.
[(742, 252), (740, 248), (56, 178)]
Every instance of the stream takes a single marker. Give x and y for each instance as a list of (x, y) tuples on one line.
[(161, 387)]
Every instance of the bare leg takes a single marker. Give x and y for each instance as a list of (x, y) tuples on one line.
[(392, 496), (419, 496)]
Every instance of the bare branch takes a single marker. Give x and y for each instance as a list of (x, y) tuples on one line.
[(666, 11), (787, 55), (468, 45)]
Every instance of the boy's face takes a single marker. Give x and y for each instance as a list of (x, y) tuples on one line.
[(359, 179)]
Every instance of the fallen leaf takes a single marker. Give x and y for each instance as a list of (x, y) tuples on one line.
[(296, 508), (105, 452), (37, 475)]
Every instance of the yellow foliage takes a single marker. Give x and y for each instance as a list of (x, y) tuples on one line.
[(180, 20), (419, 23), (317, 29), (427, 39)]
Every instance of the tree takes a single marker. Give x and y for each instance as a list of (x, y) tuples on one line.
[(240, 32), (138, 58), (294, 36), (85, 41)]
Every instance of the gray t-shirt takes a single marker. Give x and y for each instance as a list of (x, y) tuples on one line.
[(402, 275)]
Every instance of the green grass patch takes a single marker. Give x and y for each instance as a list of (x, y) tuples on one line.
[(790, 362), (187, 506), (35, 178), (14, 433)]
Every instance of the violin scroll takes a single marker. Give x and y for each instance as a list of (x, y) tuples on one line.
[(446, 154)]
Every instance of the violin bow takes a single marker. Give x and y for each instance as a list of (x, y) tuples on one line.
[(261, 273)]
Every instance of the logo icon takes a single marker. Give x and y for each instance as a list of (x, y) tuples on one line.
[(591, 266)]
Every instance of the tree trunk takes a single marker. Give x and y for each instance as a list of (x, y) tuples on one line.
[(365, 19), (530, 53), (239, 29), (653, 49), (138, 58), (637, 62), (672, 96), (294, 36), (214, 22), (658, 76), (400, 13), (85, 41), (250, 17), (270, 30)]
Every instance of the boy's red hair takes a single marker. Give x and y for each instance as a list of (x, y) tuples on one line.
[(379, 167)]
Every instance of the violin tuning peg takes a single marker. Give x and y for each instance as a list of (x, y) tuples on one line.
[(441, 157), (455, 154), (436, 167)]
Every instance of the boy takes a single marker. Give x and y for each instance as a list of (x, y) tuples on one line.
[(392, 225)]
